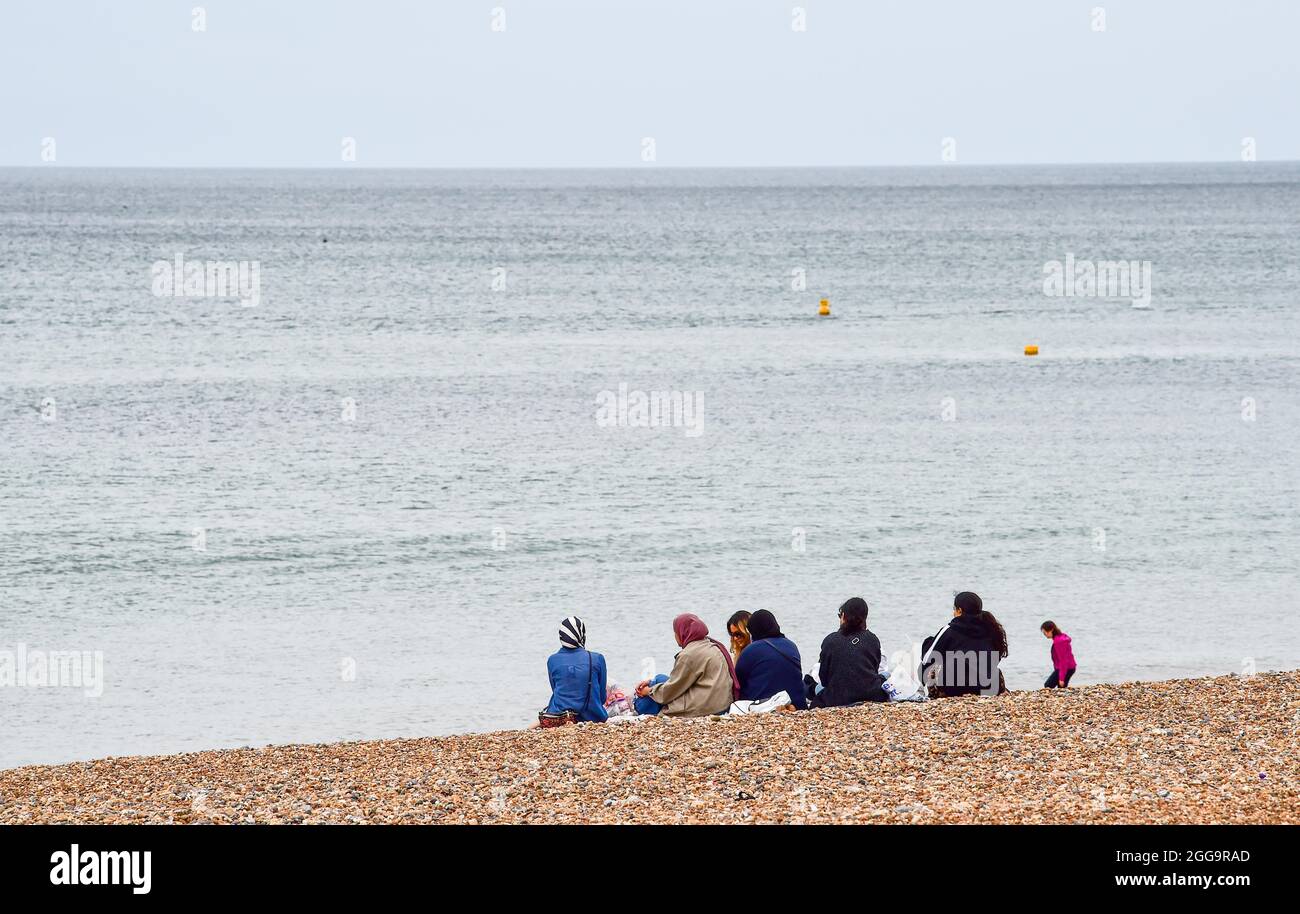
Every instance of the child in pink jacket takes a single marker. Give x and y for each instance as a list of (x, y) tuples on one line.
[(1062, 657)]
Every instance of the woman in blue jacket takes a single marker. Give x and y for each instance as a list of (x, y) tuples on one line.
[(770, 664), (577, 679)]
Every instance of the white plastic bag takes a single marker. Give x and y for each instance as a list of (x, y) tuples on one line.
[(618, 702), (744, 706), (901, 681), (901, 685)]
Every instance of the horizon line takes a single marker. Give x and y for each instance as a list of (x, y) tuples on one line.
[(651, 166)]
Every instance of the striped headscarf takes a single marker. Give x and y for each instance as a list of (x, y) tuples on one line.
[(573, 633)]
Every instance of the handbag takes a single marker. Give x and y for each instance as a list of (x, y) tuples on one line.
[(563, 719)]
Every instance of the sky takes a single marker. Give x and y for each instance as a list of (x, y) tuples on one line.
[(577, 83)]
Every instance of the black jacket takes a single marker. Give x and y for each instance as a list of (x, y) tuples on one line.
[(850, 669), (966, 659)]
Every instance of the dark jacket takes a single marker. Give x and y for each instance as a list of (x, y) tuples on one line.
[(577, 683), (966, 659), (768, 666), (850, 669)]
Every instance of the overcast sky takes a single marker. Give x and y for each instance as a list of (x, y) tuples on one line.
[(582, 82)]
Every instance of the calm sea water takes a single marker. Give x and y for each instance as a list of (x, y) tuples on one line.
[(403, 573)]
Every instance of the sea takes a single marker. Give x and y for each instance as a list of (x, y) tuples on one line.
[(293, 456)]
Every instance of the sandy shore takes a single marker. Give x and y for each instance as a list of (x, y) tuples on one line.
[(1199, 750)]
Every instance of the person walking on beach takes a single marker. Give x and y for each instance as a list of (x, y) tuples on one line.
[(770, 664), (849, 664), (703, 679), (963, 658), (577, 680), (738, 629), (1063, 665)]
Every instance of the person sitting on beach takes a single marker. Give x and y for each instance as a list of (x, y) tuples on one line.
[(703, 679), (962, 659), (1063, 665), (849, 665), (738, 629), (770, 664), (577, 680)]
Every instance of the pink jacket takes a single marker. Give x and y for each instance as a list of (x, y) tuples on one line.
[(1062, 655)]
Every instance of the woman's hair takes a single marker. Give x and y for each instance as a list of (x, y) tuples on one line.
[(738, 620), (972, 607), (739, 642), (854, 612), (1050, 627)]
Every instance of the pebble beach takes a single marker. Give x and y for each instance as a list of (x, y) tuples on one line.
[(1216, 750)]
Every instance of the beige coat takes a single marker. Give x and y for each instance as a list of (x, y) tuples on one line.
[(700, 683)]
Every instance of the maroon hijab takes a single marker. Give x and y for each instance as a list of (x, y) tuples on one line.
[(689, 627)]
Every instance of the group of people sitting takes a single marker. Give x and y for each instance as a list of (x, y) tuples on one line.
[(762, 664)]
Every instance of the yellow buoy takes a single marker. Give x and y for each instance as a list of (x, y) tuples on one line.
[(1031, 350), (825, 309)]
